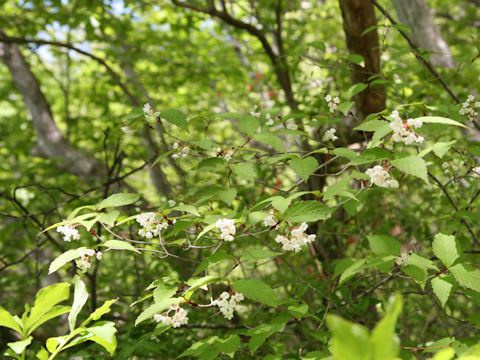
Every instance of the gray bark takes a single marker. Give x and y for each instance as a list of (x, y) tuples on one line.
[(418, 16), (50, 142)]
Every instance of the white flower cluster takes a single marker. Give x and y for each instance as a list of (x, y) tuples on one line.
[(226, 306), (476, 172), (298, 238), (69, 232), (381, 177), (225, 153), (150, 225), (270, 220), (178, 319), (403, 132), (467, 108), (150, 115), (128, 130), (330, 135), (291, 125), (449, 167), (269, 119), (332, 102), (402, 260), (227, 227), (254, 113), (83, 263), (171, 203), (181, 152)]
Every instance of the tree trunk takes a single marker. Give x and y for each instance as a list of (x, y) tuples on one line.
[(50, 142), (417, 15), (358, 15)]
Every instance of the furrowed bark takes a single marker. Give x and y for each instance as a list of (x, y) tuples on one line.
[(358, 15)]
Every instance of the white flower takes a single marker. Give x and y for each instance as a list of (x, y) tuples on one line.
[(476, 172), (227, 307), (150, 225), (415, 123), (175, 156), (175, 146), (69, 232), (227, 227), (254, 112), (298, 238), (402, 260), (227, 156), (178, 319), (381, 177), (467, 108), (330, 135), (332, 103), (269, 122), (128, 130), (291, 125), (99, 255), (171, 203), (270, 220), (402, 132), (150, 115)]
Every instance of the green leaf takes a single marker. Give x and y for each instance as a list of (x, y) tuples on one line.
[(255, 217), (419, 274), (8, 321), (346, 153), (228, 195), (135, 113), (345, 106), (228, 345), (163, 291), (187, 208), (80, 296), (442, 289), (210, 164), (371, 155), (108, 218), (245, 170), (256, 290), (412, 165), (65, 258), (351, 271), (104, 335), (440, 120), (357, 59), (120, 245), (195, 283), (50, 314), (258, 254), (441, 148), (357, 88), (121, 199), (306, 211), (175, 117), (445, 248), (19, 346), (466, 276), (384, 245), (350, 341), (304, 167), (42, 354), (212, 259), (45, 300), (384, 341), (383, 130), (156, 308), (271, 140), (248, 124), (99, 312)]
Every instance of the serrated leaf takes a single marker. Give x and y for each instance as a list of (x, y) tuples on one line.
[(196, 283), (258, 254), (304, 167), (175, 117), (271, 140), (441, 289), (345, 106), (306, 211), (467, 276), (441, 148), (384, 245), (412, 165), (187, 208), (135, 113), (108, 218), (120, 245), (445, 248), (121, 199), (211, 260), (346, 153), (371, 125), (419, 274), (256, 290), (211, 164), (248, 124), (352, 270), (383, 130), (355, 89), (64, 258), (371, 155), (440, 120), (244, 170)]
